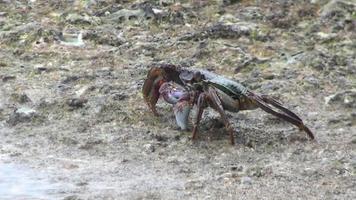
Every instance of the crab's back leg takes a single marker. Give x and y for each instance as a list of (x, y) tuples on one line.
[(286, 115), (278, 105), (218, 106)]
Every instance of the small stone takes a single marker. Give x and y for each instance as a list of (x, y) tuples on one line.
[(345, 98), (91, 144), (84, 90), (312, 80), (76, 102), (20, 98), (353, 141), (82, 183), (268, 76), (39, 68), (119, 96), (246, 180), (69, 166), (160, 137), (256, 171), (325, 36), (7, 78), (72, 197), (166, 2), (75, 18), (24, 111), (237, 168), (149, 148), (23, 114)]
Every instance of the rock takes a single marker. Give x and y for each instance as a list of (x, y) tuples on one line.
[(80, 93), (221, 30), (91, 143), (37, 96), (268, 75), (312, 80), (39, 68), (166, 2), (346, 98), (353, 141), (353, 119), (160, 137), (20, 98), (337, 8), (72, 197), (149, 148), (23, 114), (76, 102), (237, 168), (252, 13), (255, 171), (3, 14), (119, 96), (75, 18), (270, 87), (75, 40), (246, 180), (339, 14), (324, 37), (229, 2), (7, 78), (15, 34), (105, 37), (146, 13)]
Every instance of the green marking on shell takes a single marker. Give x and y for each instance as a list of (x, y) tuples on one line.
[(230, 87)]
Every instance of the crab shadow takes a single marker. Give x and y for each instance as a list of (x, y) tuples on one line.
[(251, 131), (250, 128)]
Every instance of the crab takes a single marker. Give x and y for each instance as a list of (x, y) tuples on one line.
[(185, 88)]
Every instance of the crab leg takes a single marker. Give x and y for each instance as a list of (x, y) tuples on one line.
[(278, 105), (288, 116), (217, 105), (201, 106)]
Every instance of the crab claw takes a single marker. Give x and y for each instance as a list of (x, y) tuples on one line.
[(172, 92), (155, 78), (151, 87), (181, 111), (175, 94)]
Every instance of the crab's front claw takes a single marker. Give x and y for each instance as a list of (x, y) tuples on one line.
[(150, 90), (175, 94), (181, 111), (155, 78), (172, 92)]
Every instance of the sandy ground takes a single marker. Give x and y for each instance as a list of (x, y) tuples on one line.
[(72, 116)]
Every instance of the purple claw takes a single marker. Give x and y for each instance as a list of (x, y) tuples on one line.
[(172, 93), (181, 111), (179, 97)]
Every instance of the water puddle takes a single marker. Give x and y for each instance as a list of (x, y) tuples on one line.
[(21, 182)]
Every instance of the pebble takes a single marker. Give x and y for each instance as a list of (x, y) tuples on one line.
[(23, 114), (246, 180), (76, 102), (149, 148)]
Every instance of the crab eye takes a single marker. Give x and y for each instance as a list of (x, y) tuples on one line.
[(186, 76), (197, 76)]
